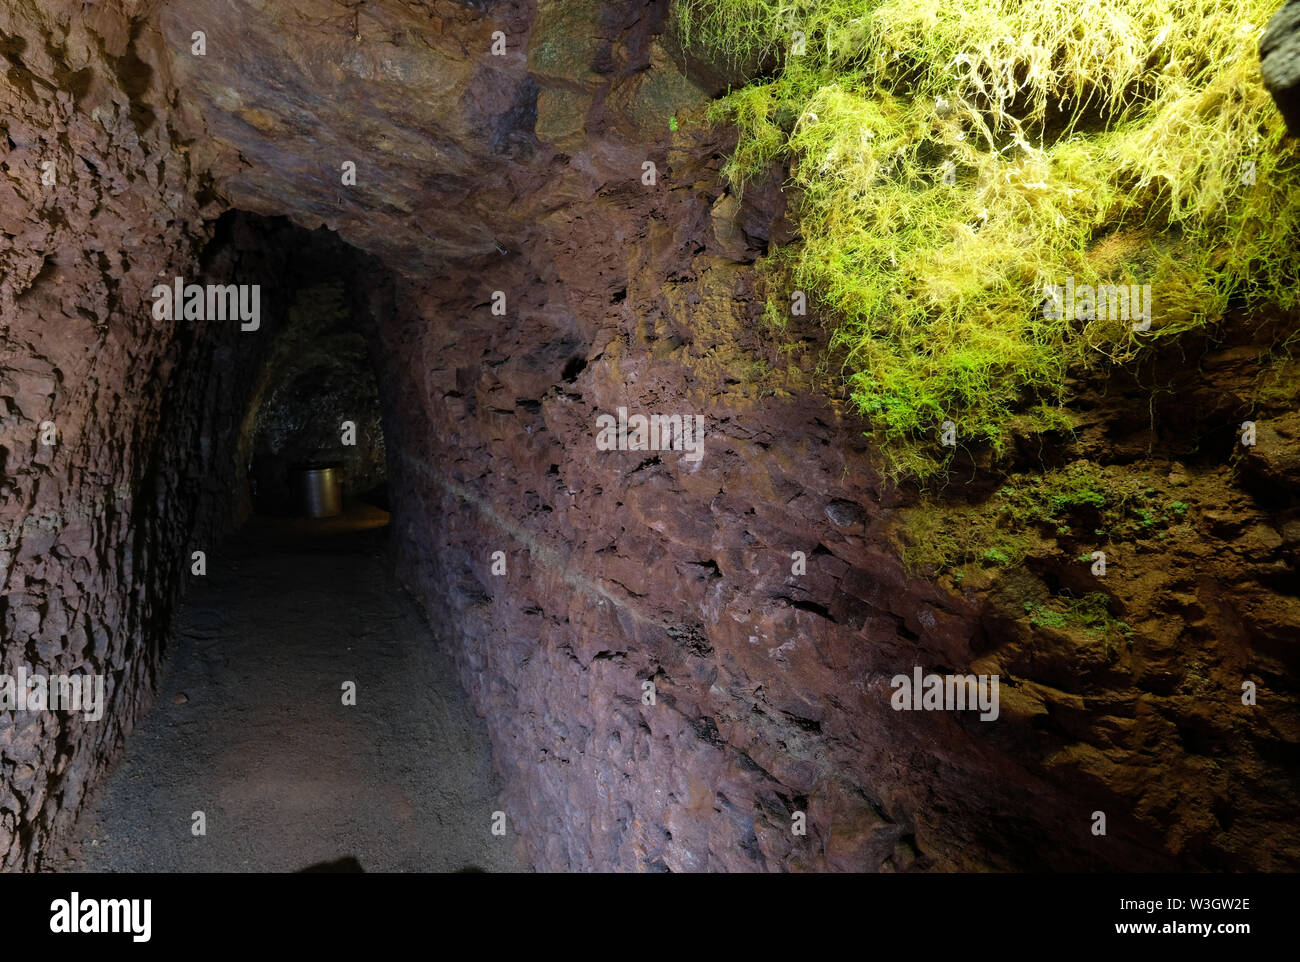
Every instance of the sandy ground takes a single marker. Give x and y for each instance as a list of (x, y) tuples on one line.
[(287, 775)]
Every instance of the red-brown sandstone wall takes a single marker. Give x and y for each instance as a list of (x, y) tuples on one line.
[(89, 558), (773, 691)]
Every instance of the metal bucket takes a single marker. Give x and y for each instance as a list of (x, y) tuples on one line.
[(318, 492)]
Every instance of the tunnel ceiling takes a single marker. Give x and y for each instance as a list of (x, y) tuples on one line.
[(440, 128)]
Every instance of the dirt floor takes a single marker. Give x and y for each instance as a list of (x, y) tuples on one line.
[(250, 728)]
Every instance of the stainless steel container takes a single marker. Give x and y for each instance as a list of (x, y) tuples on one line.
[(318, 492)]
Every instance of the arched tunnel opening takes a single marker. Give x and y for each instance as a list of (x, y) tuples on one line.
[(569, 436), (317, 410), (310, 400), (299, 678)]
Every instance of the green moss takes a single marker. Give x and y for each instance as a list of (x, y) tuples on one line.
[(1045, 617), (1089, 614), (953, 157), (755, 371), (1278, 382), (1080, 501), (774, 315)]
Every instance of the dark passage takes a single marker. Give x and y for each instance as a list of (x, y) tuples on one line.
[(286, 775)]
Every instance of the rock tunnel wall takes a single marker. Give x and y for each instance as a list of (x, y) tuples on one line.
[(773, 688), (524, 174), (91, 551)]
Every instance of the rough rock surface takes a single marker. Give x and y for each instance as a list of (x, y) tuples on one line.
[(526, 174), (89, 547), (1279, 57)]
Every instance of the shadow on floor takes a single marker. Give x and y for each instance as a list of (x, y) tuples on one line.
[(347, 863)]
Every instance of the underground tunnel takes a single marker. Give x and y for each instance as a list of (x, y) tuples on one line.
[(707, 436)]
